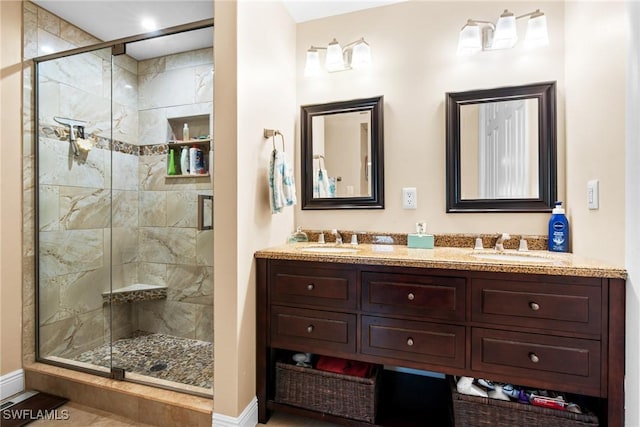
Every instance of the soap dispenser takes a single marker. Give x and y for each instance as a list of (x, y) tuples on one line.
[(298, 236)]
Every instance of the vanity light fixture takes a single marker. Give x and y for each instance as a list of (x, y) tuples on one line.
[(355, 55), (479, 35)]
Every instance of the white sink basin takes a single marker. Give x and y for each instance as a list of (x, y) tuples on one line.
[(329, 250), (512, 258)]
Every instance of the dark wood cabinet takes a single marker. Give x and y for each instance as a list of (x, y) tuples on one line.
[(561, 333)]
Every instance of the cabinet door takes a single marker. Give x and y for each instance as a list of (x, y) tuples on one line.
[(572, 363), (432, 343), (420, 295), (312, 330), (320, 284), (552, 306)]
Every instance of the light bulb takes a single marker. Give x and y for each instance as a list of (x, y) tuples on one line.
[(361, 55), (334, 60), (505, 35), (312, 63), (470, 39), (537, 34)]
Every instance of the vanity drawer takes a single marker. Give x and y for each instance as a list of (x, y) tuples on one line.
[(320, 285), (297, 328), (558, 307), (432, 343), (570, 361), (425, 296)]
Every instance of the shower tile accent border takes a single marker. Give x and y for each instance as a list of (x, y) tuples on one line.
[(61, 133)]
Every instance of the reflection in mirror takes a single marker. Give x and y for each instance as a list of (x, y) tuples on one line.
[(342, 155), (341, 152), (501, 149)]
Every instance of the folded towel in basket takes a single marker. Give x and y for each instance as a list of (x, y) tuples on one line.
[(344, 366)]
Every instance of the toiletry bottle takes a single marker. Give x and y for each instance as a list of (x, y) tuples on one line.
[(200, 169), (171, 163), (184, 161), (558, 230), (192, 160), (185, 132)]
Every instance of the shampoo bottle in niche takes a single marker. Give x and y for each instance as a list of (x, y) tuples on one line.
[(184, 161), (558, 230), (185, 132), (171, 163), (193, 159)]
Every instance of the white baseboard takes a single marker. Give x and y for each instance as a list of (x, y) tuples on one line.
[(248, 417), (12, 383)]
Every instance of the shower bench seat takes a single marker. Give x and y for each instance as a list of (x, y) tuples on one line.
[(135, 292)]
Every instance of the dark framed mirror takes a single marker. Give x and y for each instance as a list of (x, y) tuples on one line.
[(343, 154), (501, 149)]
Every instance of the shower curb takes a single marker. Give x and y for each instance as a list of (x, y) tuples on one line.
[(138, 402)]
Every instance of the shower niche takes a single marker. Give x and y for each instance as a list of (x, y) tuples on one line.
[(124, 271), (199, 137)]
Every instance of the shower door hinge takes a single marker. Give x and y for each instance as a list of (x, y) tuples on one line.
[(118, 49), (117, 373)]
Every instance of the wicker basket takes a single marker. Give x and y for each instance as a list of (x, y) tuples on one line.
[(327, 392), (474, 411)]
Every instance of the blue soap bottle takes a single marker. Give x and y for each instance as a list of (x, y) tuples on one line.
[(558, 230)]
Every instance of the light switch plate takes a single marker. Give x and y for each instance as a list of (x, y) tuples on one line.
[(593, 194)]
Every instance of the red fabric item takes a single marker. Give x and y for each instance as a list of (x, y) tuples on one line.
[(344, 366)]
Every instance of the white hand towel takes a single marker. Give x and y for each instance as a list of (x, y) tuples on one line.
[(282, 189)]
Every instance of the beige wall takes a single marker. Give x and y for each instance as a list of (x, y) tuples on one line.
[(10, 185), (413, 46), (596, 49), (632, 211), (254, 89)]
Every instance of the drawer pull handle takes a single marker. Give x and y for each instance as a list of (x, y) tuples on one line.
[(309, 329), (534, 306), (411, 296), (410, 342), (310, 286), (534, 357)]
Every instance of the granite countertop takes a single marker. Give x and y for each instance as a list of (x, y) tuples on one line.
[(454, 258)]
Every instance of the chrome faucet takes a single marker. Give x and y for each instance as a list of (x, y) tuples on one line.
[(338, 236), (500, 242)]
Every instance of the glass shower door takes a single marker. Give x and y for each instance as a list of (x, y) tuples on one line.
[(74, 200)]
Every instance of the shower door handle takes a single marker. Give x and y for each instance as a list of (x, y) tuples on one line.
[(201, 199)]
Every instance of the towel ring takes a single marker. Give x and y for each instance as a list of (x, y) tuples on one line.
[(273, 139)]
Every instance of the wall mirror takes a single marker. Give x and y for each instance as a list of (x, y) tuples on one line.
[(501, 149), (342, 155)]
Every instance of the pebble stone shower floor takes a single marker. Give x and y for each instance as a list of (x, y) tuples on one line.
[(170, 358)]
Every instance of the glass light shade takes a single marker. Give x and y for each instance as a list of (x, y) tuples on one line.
[(361, 55), (505, 35), (470, 39), (312, 63), (537, 34), (335, 60)]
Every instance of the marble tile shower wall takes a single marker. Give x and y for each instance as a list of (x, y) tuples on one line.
[(114, 217)]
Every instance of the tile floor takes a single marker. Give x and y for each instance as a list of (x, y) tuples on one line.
[(84, 416)]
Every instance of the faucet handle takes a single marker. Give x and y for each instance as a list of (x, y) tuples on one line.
[(354, 239), (321, 237), (523, 247)]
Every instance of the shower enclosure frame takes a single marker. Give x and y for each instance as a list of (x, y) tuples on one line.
[(117, 48)]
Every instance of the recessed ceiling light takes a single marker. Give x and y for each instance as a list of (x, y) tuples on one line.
[(149, 24)]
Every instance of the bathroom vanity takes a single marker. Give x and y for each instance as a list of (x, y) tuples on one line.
[(556, 324)]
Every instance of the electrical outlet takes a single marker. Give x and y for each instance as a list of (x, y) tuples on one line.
[(593, 194), (409, 198)]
